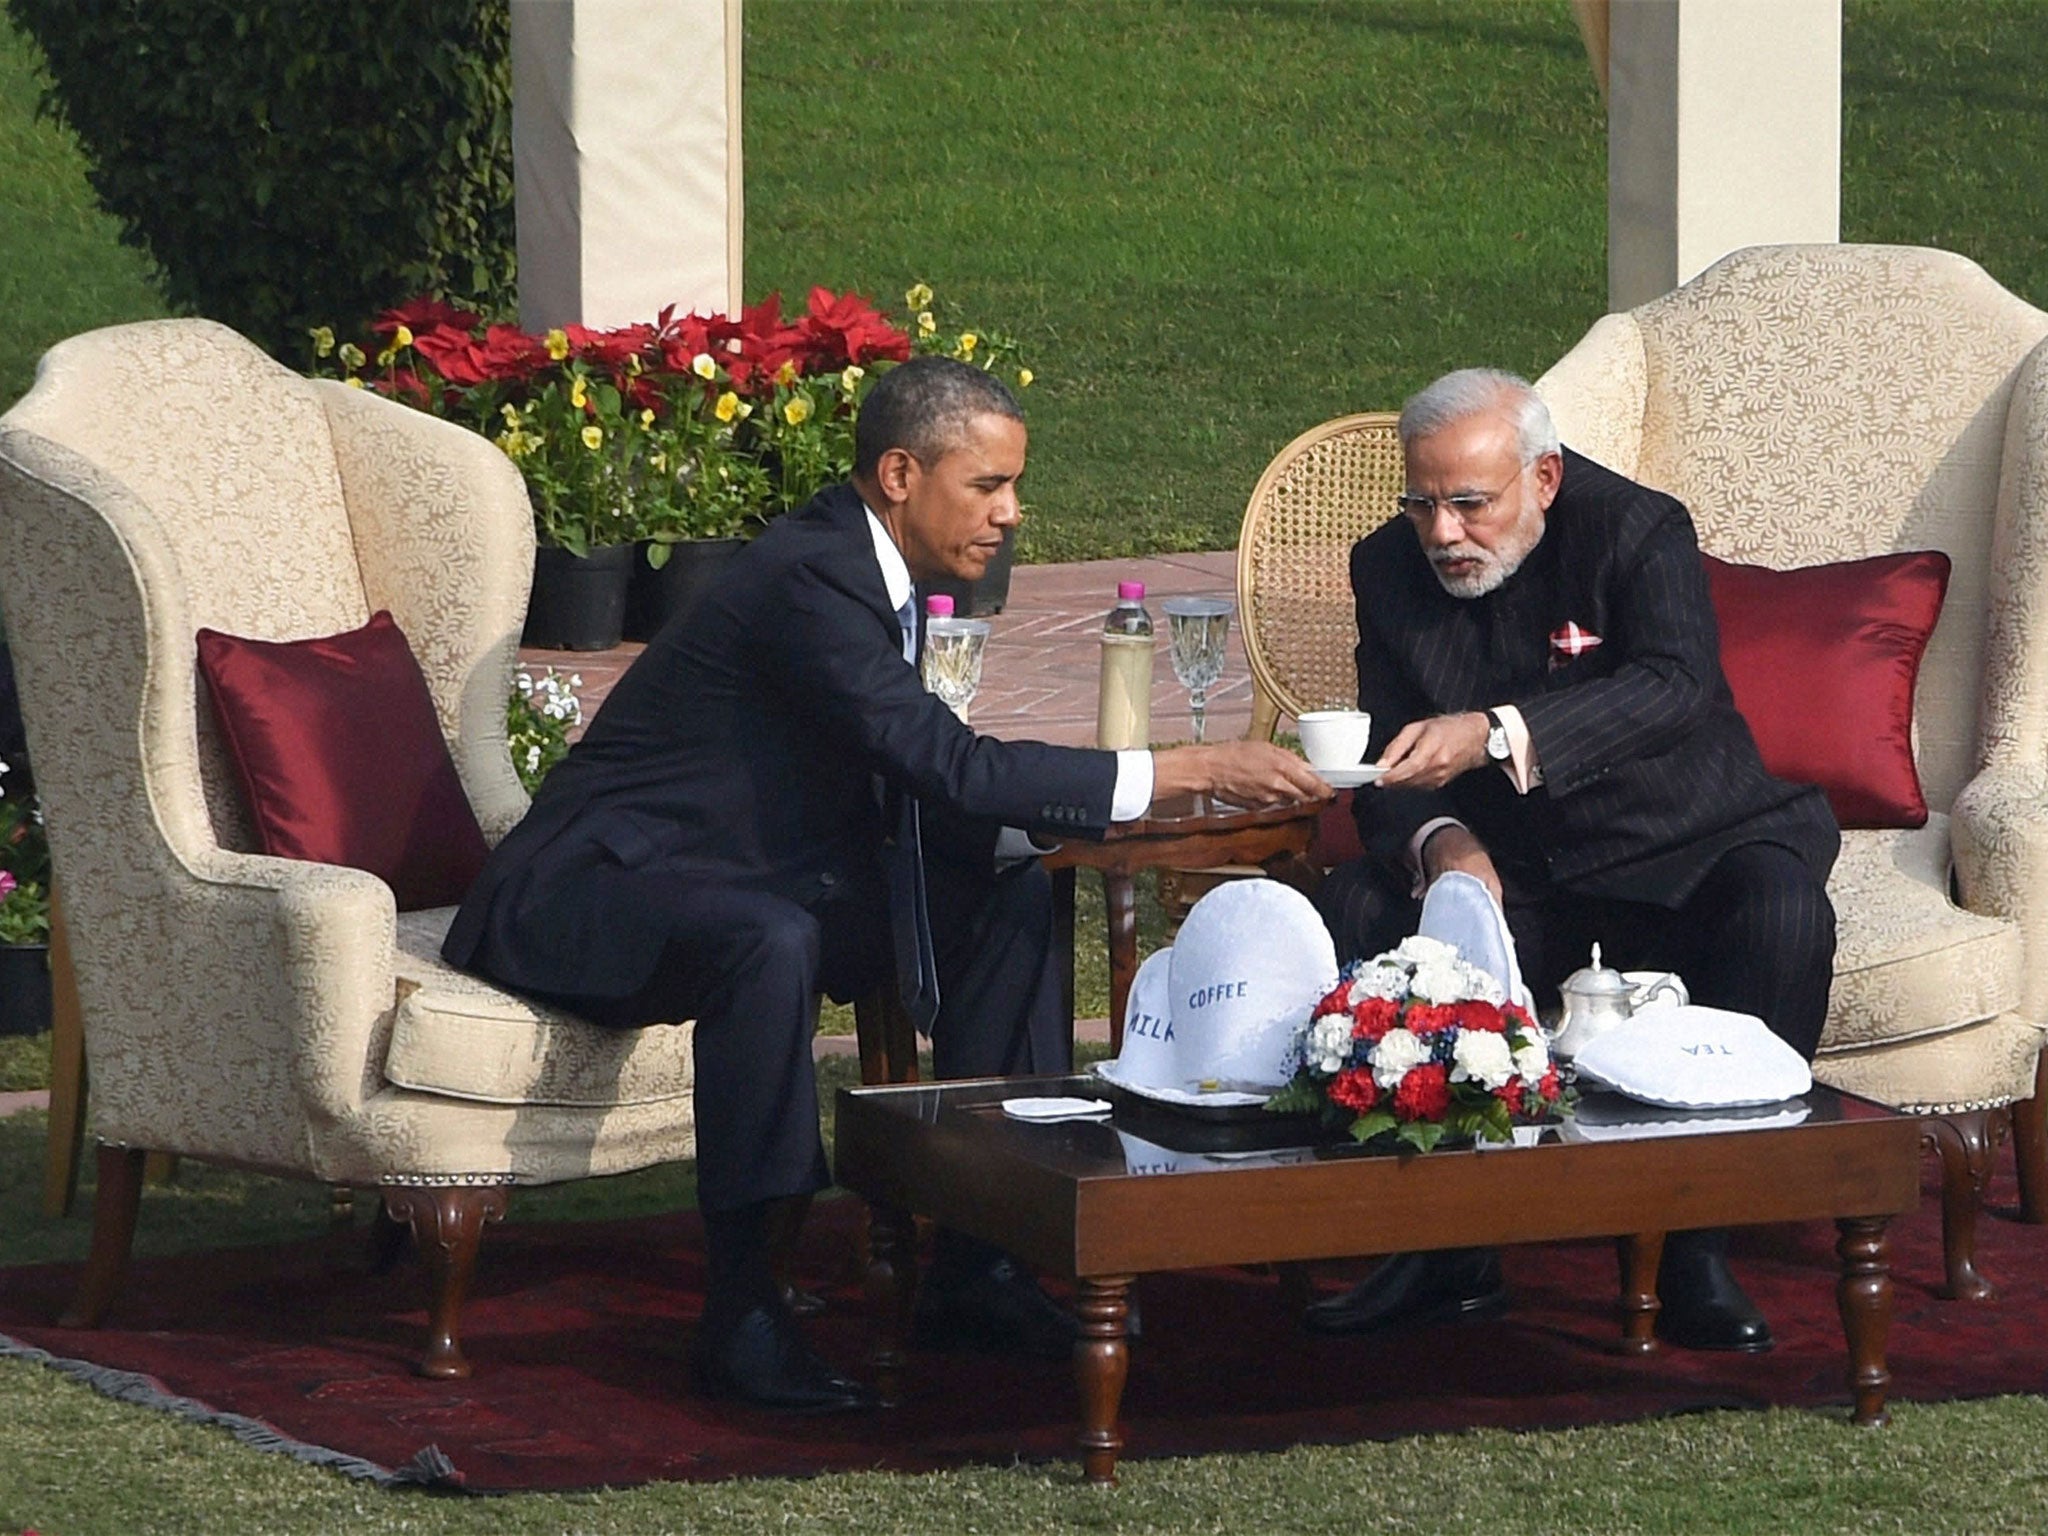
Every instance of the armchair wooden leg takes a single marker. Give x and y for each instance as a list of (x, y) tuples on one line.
[(114, 1209), (1965, 1144), (2030, 1146), (67, 1073), (447, 1225)]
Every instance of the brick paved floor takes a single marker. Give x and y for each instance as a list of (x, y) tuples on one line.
[(1039, 672)]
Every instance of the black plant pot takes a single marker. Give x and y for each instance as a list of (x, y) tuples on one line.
[(579, 601), (24, 989), (657, 596), (979, 599)]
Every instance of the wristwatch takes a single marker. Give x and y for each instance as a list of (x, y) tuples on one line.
[(1497, 748)]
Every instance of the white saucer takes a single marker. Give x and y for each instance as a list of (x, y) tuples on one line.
[(1056, 1109), (1213, 1098), (1348, 778)]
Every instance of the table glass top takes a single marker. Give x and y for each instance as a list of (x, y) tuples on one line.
[(1142, 1138)]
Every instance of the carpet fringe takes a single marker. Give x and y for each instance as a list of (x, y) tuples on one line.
[(428, 1468)]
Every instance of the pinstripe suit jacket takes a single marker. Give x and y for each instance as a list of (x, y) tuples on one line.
[(1650, 774)]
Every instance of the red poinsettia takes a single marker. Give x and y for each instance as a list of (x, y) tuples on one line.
[(423, 314), (848, 329)]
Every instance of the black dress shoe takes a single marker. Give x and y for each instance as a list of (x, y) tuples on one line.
[(802, 1303), (762, 1360), (996, 1307), (1411, 1290), (1701, 1306)]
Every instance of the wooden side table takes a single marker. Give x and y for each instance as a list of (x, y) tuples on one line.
[(1193, 832)]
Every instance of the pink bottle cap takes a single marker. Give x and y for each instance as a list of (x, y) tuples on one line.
[(1130, 591), (939, 606)]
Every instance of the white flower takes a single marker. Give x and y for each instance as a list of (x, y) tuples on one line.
[(533, 759), (1483, 1057), (1398, 1050), (1328, 1045), (1532, 1061), (1379, 980), (1419, 948), (1441, 980)]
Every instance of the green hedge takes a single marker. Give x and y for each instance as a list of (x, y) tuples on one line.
[(290, 163)]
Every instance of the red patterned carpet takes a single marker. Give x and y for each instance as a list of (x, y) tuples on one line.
[(577, 1336)]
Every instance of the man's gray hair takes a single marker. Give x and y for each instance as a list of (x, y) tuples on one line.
[(924, 406), (1476, 392)]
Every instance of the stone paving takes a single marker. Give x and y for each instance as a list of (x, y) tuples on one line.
[(1039, 671)]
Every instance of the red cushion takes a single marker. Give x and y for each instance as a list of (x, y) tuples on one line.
[(342, 760), (1822, 662), (1336, 835)]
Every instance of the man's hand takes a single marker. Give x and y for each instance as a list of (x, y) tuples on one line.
[(1242, 772), (1454, 847), (1428, 754)]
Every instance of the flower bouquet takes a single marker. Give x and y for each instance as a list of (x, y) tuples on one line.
[(1414, 1045)]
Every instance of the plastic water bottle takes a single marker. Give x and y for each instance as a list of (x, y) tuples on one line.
[(1123, 713), (951, 664)]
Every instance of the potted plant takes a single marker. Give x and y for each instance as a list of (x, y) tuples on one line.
[(24, 914), (681, 437)]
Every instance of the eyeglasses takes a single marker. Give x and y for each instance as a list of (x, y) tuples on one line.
[(1465, 506)]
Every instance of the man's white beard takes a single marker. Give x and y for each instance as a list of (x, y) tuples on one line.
[(1495, 565)]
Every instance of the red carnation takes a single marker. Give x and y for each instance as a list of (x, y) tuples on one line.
[(1371, 1019), (1483, 1016), (1517, 1015), (1355, 1090), (1547, 1088), (1510, 1094), (1427, 1019), (1424, 1094), (1335, 1002)]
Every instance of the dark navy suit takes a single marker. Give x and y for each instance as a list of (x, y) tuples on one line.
[(712, 848), (1656, 830)]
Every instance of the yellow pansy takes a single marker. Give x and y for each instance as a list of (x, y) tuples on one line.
[(558, 344), (702, 366), (633, 364), (727, 407), (647, 418), (351, 354), (926, 324), (579, 393), (1024, 378), (919, 296), (851, 376), (355, 383), (797, 410), (384, 358), (968, 342), (402, 337), (786, 374), (510, 412), (323, 340), (660, 463), (593, 438)]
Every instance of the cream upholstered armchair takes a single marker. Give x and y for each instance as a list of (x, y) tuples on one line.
[(1820, 403), (258, 1011)]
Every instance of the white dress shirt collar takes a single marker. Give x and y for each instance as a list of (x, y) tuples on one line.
[(895, 574)]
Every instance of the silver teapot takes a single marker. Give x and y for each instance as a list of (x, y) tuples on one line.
[(1596, 999)]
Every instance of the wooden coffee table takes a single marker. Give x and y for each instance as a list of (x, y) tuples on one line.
[(1191, 832), (1063, 1198)]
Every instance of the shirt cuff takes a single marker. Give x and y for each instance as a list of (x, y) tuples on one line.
[(1133, 794), (1014, 845), (1422, 835), (1522, 769)]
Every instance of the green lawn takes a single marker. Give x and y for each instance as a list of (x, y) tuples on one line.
[(1217, 224)]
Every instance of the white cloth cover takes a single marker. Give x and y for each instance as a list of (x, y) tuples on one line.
[(1693, 1057), (1252, 959), (1461, 912), (1147, 1057)]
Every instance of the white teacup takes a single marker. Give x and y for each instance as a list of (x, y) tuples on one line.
[(1655, 989), (1335, 738)]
